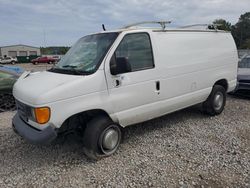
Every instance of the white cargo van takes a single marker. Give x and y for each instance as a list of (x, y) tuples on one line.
[(113, 79)]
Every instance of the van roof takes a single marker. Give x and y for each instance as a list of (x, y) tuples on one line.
[(165, 30), (163, 27)]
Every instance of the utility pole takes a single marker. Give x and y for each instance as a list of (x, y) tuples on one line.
[(44, 38)]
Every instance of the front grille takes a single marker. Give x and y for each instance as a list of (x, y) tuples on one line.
[(23, 110), (245, 81)]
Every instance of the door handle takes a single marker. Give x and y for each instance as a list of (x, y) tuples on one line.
[(118, 81), (157, 85)]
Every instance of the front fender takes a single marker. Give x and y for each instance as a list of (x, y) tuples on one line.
[(62, 110)]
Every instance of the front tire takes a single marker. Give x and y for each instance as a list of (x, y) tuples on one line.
[(216, 101), (101, 137)]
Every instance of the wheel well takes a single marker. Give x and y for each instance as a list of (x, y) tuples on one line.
[(223, 83), (79, 120)]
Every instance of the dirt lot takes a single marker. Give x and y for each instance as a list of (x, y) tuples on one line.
[(31, 67), (183, 149)]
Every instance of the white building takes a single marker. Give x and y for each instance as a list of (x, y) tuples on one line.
[(19, 50)]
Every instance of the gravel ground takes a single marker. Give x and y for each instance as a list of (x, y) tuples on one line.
[(182, 149)]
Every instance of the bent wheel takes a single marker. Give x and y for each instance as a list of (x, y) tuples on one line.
[(7, 102), (101, 137), (109, 139)]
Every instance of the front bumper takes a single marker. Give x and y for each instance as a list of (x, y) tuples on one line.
[(31, 134)]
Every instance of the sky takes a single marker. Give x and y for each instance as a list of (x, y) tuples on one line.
[(63, 22)]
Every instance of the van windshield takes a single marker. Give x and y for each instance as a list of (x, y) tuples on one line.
[(86, 55)]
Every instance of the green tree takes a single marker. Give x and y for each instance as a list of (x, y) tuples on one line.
[(64, 50), (246, 44), (241, 31), (223, 24), (54, 50)]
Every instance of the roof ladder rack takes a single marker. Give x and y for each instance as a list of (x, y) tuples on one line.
[(215, 26), (162, 23)]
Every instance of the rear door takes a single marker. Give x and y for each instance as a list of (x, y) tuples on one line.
[(133, 94)]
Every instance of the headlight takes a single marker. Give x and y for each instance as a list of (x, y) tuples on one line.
[(41, 115)]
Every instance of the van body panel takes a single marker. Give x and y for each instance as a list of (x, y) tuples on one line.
[(195, 58), (43, 88), (64, 98), (72, 106), (160, 108), (137, 89), (186, 67)]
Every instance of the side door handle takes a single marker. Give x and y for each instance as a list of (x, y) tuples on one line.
[(157, 84), (118, 81), (157, 87)]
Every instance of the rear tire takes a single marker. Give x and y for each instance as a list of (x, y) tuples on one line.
[(216, 101), (13, 62), (101, 137)]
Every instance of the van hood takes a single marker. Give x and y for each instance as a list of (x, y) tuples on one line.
[(40, 88)]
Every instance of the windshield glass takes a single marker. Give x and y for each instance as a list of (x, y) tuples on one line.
[(85, 56), (244, 63)]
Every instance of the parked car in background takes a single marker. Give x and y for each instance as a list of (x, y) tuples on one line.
[(45, 59), (57, 58), (243, 78), (14, 69), (7, 80), (8, 60)]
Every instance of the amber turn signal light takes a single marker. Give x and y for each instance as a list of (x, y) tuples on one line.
[(42, 115)]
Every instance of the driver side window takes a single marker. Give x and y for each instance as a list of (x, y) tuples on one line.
[(136, 49)]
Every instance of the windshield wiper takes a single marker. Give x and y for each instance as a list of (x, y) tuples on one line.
[(76, 71), (69, 66), (69, 71)]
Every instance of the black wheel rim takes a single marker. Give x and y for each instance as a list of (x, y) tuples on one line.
[(7, 102)]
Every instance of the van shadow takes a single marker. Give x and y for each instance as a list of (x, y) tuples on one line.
[(69, 152)]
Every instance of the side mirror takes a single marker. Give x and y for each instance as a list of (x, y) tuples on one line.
[(119, 65)]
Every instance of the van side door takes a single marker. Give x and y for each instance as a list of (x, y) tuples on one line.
[(134, 91)]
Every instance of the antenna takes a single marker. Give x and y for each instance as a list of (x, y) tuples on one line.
[(162, 23), (103, 27), (44, 38)]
